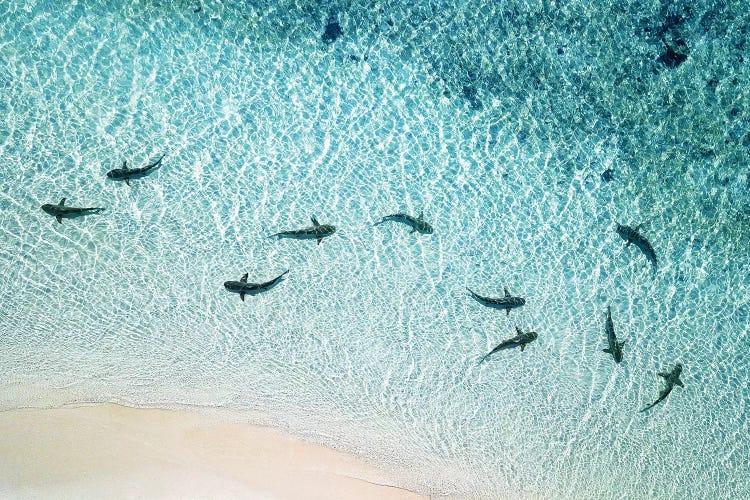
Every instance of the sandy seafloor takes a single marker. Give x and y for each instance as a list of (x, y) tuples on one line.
[(497, 120)]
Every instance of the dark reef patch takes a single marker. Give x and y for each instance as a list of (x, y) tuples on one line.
[(675, 54), (470, 93), (333, 31)]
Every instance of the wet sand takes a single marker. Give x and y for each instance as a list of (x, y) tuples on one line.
[(112, 451)]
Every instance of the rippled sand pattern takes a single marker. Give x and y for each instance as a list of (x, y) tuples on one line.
[(371, 343)]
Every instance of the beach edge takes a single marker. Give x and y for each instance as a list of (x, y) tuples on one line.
[(120, 451)]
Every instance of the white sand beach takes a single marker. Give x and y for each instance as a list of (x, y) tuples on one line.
[(112, 451)]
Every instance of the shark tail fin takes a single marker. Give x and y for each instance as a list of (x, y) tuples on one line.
[(157, 163)]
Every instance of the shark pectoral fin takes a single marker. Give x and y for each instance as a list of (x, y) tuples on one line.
[(621, 344), (507, 293), (319, 240), (523, 346), (59, 219), (607, 350), (127, 181), (663, 375), (242, 296), (413, 231), (679, 382), (518, 331), (314, 221), (62, 202), (421, 215), (244, 278), (507, 311)]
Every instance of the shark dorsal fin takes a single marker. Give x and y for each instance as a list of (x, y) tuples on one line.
[(507, 293), (314, 221), (421, 215), (244, 278), (62, 202)]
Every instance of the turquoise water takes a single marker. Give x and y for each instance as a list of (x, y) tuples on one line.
[(495, 119)]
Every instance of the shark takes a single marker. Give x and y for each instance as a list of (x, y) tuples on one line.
[(506, 302), (318, 231), (61, 210), (672, 378), (632, 235), (519, 340), (417, 224), (125, 173), (614, 348), (243, 287)]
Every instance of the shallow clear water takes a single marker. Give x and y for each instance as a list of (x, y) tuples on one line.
[(498, 122)]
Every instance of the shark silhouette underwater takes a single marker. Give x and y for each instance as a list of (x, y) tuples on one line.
[(61, 211)]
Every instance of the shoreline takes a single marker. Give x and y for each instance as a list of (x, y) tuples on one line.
[(118, 451)]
